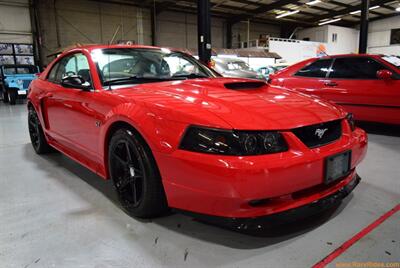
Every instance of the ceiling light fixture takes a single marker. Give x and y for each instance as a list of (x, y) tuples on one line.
[(355, 12), (311, 3), (398, 9), (374, 7), (287, 14), (329, 21), (359, 11)]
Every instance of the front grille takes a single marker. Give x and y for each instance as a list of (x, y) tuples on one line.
[(26, 83), (319, 134)]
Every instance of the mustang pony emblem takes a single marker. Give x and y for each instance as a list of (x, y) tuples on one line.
[(320, 132)]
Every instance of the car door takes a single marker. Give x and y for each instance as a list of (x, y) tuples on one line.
[(72, 120), (311, 78), (353, 83)]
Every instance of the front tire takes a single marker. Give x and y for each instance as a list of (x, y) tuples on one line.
[(135, 175), (36, 134)]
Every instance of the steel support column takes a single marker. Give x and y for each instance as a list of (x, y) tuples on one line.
[(362, 48), (204, 30), (229, 26), (153, 26), (36, 38)]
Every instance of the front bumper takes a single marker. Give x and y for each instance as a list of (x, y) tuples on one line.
[(287, 216), (226, 186)]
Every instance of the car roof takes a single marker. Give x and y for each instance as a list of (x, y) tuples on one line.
[(349, 55), (99, 46)]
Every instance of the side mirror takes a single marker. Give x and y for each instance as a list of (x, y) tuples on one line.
[(75, 81), (384, 74)]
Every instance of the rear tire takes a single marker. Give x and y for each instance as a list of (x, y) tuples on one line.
[(135, 175), (12, 96), (36, 134), (4, 94)]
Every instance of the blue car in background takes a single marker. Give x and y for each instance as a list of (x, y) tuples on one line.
[(15, 81)]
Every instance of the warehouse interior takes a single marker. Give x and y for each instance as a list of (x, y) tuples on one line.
[(54, 212)]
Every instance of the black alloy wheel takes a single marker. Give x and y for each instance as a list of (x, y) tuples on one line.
[(36, 134), (135, 175)]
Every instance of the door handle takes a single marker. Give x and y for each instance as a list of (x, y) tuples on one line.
[(330, 84)]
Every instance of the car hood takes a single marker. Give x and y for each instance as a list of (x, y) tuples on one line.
[(209, 101)]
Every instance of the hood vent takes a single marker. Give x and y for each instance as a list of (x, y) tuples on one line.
[(244, 85)]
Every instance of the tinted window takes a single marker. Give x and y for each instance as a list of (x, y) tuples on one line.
[(316, 69), (355, 68)]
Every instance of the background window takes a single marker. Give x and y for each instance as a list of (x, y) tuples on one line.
[(355, 68), (395, 36), (317, 69)]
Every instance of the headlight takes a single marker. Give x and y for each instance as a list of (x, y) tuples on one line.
[(350, 120), (232, 142)]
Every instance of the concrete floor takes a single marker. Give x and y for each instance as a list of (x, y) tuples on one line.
[(55, 213)]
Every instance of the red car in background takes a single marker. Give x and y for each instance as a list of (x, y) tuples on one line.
[(366, 85), (169, 132)]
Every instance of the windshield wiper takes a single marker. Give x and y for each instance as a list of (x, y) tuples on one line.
[(136, 79), (190, 76)]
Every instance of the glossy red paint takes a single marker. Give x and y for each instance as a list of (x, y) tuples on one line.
[(78, 123), (376, 100)]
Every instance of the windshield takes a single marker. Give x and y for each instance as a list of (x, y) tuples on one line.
[(130, 65), (238, 65), (11, 70), (393, 60)]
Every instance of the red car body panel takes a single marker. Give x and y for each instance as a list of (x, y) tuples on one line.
[(369, 100), (78, 123)]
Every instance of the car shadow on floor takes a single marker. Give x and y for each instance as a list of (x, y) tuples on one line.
[(379, 128), (179, 223)]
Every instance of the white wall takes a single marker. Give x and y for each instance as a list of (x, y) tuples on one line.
[(379, 36), (346, 42), (295, 51), (15, 25), (316, 34)]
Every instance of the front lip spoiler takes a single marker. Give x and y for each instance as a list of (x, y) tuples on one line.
[(290, 215)]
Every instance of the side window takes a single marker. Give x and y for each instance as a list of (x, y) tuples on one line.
[(82, 67), (76, 64), (355, 68), (53, 72), (317, 69)]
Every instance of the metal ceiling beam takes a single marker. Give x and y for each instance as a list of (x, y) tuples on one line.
[(348, 6), (263, 9), (347, 10)]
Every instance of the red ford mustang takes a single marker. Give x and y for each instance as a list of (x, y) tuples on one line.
[(366, 85), (171, 133)]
